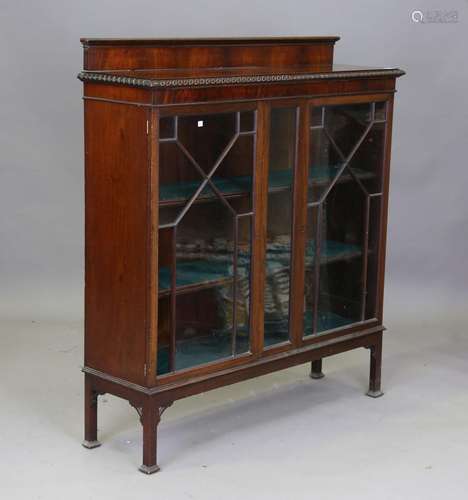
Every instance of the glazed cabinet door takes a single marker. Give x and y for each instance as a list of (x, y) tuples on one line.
[(206, 213), (282, 168), (344, 212)]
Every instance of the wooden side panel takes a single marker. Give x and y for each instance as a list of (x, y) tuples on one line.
[(153, 249), (116, 191)]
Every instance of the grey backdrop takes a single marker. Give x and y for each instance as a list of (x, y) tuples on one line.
[(41, 166)]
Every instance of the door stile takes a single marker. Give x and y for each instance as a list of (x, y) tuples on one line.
[(299, 226), (152, 257), (384, 209), (260, 198)]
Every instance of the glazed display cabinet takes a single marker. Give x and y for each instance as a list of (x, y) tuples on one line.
[(236, 214)]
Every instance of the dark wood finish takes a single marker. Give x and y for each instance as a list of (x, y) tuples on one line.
[(384, 212), (149, 421), (206, 53), (117, 94), (375, 368), (153, 248), (90, 413), (274, 91), (316, 369), (128, 318), (216, 41), (168, 393), (299, 221), (116, 268), (157, 399), (259, 236)]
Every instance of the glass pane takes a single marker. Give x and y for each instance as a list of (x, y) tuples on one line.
[(375, 206), (201, 146), (178, 181), (335, 130), (317, 117), (233, 178), (343, 228), (367, 162), (346, 124), (209, 324), (279, 223), (247, 121), (380, 111), (340, 286), (242, 276), (204, 329), (204, 241), (326, 164), (311, 270), (195, 132), (167, 127)]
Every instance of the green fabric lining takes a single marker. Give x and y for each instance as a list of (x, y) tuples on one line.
[(200, 271), (243, 184), (201, 350)]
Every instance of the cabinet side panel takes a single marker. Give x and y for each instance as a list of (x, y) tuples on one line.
[(116, 173)]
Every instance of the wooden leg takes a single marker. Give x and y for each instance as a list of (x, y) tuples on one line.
[(150, 420), (375, 369), (90, 415), (316, 369)]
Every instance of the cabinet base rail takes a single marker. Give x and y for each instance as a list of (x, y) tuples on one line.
[(150, 403)]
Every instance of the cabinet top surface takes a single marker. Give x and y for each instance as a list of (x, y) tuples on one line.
[(210, 41)]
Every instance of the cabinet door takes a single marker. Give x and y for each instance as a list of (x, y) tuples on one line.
[(205, 237), (282, 166), (343, 216)]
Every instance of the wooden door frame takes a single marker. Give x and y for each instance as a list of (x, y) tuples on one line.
[(377, 320), (259, 207), (258, 204)]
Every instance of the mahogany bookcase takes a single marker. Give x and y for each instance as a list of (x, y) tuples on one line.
[(236, 211)]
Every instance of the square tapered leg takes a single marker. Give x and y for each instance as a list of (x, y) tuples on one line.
[(375, 369), (316, 369), (150, 420), (90, 415)]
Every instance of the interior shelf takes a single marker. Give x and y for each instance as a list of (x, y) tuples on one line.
[(279, 180), (195, 275)]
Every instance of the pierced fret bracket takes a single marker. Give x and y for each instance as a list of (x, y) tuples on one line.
[(139, 410)]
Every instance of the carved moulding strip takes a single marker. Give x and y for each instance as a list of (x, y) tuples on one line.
[(89, 76)]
